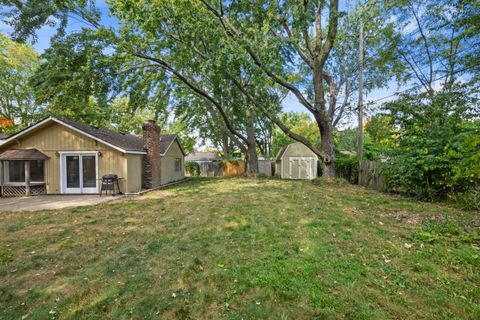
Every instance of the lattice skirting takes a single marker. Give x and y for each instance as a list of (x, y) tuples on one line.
[(19, 191)]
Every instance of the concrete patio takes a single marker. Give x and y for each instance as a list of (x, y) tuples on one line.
[(52, 202)]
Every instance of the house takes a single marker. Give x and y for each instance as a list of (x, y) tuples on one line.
[(201, 156), (61, 156), (209, 163), (296, 161)]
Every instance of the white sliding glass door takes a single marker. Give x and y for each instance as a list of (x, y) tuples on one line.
[(79, 172)]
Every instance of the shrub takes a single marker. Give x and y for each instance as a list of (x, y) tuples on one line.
[(347, 168), (192, 168), (437, 147)]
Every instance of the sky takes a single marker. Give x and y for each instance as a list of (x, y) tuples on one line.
[(290, 103)]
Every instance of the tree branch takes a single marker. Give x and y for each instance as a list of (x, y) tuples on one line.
[(305, 57), (195, 88), (232, 32), (280, 124)]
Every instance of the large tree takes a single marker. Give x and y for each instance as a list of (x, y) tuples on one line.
[(261, 49), (18, 62)]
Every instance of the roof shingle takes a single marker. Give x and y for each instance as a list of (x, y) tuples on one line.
[(125, 141), (25, 154)]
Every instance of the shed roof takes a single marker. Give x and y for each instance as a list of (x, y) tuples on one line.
[(23, 154), (284, 149), (280, 153)]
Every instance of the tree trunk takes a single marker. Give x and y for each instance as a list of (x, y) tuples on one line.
[(225, 147), (252, 159), (328, 148)]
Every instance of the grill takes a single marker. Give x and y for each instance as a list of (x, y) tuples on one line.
[(110, 183)]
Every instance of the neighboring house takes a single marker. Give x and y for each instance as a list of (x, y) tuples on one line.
[(200, 156), (60, 156), (210, 163), (296, 161)]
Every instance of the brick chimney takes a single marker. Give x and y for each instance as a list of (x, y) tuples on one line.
[(151, 161)]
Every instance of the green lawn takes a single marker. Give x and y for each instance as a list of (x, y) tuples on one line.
[(243, 249)]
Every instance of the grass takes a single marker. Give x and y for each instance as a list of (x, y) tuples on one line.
[(243, 249)]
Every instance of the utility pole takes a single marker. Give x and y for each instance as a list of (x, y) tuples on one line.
[(360, 93)]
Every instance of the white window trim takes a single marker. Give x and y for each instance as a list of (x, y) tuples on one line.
[(6, 174), (175, 165), (63, 154)]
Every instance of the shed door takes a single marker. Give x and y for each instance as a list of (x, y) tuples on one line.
[(302, 168), (294, 168)]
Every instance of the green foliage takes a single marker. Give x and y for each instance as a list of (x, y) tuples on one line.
[(437, 146), (193, 168), (17, 64), (28, 16), (346, 140), (75, 79), (379, 129), (183, 132), (300, 123), (347, 168)]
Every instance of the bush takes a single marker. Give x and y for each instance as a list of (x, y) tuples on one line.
[(192, 168), (469, 199), (347, 168), (437, 147)]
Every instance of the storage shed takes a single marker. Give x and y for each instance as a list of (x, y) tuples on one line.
[(296, 161)]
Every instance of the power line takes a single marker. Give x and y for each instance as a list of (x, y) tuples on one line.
[(419, 85)]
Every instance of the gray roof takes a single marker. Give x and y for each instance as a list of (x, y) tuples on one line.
[(125, 141), (25, 154), (202, 156), (122, 140), (165, 141)]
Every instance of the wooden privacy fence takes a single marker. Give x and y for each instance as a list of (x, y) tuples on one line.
[(210, 169), (370, 176), (221, 168), (233, 168)]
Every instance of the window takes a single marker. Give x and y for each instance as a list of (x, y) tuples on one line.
[(14, 171), (36, 171), (178, 165)]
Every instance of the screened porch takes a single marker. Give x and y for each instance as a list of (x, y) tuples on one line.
[(23, 173)]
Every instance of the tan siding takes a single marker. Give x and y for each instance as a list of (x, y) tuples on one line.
[(296, 150), (168, 164), (134, 173), (55, 138)]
